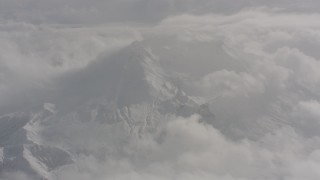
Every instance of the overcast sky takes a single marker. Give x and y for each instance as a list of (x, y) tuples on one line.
[(147, 11)]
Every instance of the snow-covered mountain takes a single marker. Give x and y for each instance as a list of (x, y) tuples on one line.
[(123, 105), (159, 90), (128, 90)]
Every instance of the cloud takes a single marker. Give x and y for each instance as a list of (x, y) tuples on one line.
[(31, 56), (257, 69), (192, 150), (232, 84)]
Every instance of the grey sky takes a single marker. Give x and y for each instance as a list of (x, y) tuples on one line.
[(150, 11)]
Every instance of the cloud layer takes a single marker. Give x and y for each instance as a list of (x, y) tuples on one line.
[(257, 68)]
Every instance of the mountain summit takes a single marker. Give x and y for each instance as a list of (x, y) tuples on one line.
[(127, 90)]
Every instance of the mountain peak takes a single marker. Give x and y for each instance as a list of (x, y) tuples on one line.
[(132, 75)]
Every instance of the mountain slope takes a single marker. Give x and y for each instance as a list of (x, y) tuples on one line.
[(127, 90)]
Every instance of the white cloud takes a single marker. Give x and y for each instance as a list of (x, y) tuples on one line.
[(193, 150), (229, 83), (258, 68)]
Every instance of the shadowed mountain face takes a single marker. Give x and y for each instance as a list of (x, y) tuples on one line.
[(123, 77)]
